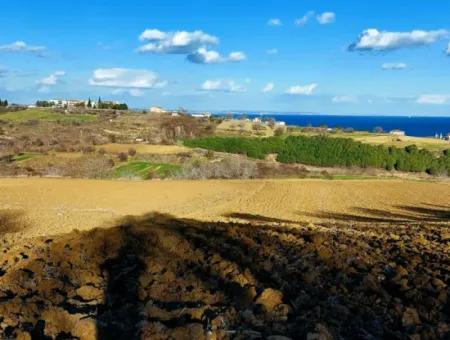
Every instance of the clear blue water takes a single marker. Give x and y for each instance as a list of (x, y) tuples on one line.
[(413, 126)]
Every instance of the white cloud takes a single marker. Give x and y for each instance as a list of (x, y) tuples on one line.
[(272, 51), (179, 42), (302, 89), (52, 80), (203, 56), (237, 56), (375, 40), (268, 87), (433, 99), (195, 45), (304, 19), (326, 18), (447, 50), (222, 86), (152, 34), (123, 78), (274, 22), (23, 47), (344, 99), (394, 66)]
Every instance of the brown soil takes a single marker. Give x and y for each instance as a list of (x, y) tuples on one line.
[(302, 259)]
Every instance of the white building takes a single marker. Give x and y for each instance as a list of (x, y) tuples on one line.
[(397, 132), (157, 109), (201, 115)]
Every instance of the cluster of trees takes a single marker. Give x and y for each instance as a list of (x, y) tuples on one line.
[(108, 105), (44, 103), (326, 151), (3, 103)]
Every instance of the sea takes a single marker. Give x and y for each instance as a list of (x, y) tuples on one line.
[(418, 126)]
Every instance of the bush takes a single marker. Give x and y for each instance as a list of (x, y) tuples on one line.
[(122, 156), (131, 152), (228, 168), (279, 131)]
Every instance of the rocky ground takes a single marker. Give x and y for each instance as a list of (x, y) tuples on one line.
[(161, 277)]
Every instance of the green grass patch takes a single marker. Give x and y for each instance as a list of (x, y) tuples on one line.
[(25, 156), (146, 170), (46, 115)]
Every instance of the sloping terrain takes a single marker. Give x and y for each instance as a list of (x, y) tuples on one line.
[(234, 260)]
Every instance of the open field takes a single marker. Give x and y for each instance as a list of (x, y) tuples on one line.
[(243, 128), (66, 204), (46, 116), (145, 148), (224, 259)]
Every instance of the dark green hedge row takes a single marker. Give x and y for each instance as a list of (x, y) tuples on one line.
[(326, 151)]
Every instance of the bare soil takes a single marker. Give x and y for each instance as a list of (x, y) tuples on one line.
[(304, 259)]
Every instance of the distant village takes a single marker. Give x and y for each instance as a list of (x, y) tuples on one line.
[(99, 104)]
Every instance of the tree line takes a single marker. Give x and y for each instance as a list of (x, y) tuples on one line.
[(328, 151), (3, 103)]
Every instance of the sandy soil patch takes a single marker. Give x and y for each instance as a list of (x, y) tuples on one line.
[(52, 206), (145, 148)]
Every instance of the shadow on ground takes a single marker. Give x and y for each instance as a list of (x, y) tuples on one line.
[(400, 214), (159, 277)]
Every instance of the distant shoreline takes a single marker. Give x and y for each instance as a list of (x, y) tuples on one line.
[(416, 126)]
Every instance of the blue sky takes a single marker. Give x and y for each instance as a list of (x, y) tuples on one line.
[(337, 57)]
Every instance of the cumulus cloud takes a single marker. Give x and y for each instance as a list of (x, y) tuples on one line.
[(222, 86), (272, 51), (447, 50), (22, 47), (326, 18), (394, 66), (274, 22), (179, 42), (375, 40), (203, 56), (52, 79), (268, 87), (302, 89), (49, 81), (237, 56), (123, 78), (304, 19), (433, 99), (344, 99), (195, 45)]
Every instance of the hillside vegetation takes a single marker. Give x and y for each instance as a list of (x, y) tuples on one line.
[(325, 151), (46, 116)]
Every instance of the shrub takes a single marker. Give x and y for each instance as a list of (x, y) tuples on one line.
[(131, 152), (279, 131), (122, 156)]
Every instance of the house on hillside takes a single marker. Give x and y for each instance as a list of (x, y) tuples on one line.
[(396, 132), (201, 115), (157, 109)]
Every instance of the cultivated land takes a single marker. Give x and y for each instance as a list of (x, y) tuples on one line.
[(224, 259)]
